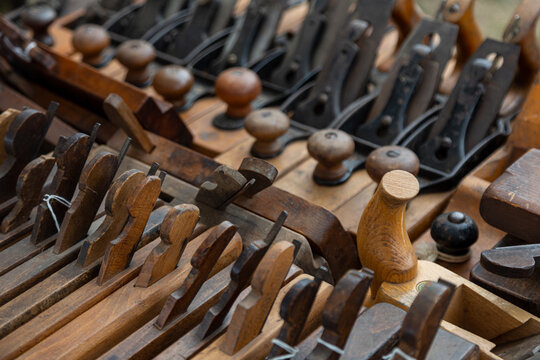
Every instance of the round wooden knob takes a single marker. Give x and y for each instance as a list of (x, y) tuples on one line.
[(388, 158), (330, 148), (454, 233), (173, 82), (92, 41), (39, 18), (136, 56), (238, 87), (267, 125)]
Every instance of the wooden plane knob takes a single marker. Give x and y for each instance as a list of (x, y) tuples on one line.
[(267, 125), (39, 18), (173, 82), (388, 158), (382, 239), (91, 41), (330, 148), (454, 233), (237, 87), (136, 56)]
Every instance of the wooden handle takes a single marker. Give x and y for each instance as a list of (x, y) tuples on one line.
[(241, 274), (29, 187), (202, 262), (422, 321), (341, 311), (5, 121), (70, 159), (119, 252), (96, 178), (223, 184), (251, 312), (294, 311), (382, 240), (121, 115), (176, 228), (116, 208)]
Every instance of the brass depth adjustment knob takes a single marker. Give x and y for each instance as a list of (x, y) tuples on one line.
[(330, 148), (454, 233), (237, 87), (92, 41), (173, 82), (267, 125), (136, 56), (382, 240), (388, 158), (38, 18)]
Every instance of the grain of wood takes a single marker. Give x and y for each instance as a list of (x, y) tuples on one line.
[(383, 243)]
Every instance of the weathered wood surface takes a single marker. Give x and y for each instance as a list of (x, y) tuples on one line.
[(183, 193), (340, 312), (119, 251), (190, 347), (149, 341), (114, 318), (71, 155), (121, 115), (372, 342), (117, 212), (294, 311), (76, 303), (201, 266), (509, 271), (176, 229), (250, 315), (29, 185), (512, 203), (22, 143), (6, 118), (57, 285), (38, 285), (95, 180), (474, 311)]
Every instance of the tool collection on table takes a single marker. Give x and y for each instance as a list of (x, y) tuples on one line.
[(268, 179)]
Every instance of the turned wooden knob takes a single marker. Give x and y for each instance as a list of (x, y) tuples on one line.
[(382, 240), (266, 125), (238, 87), (136, 56), (388, 158), (330, 148), (39, 18), (454, 233), (173, 82), (92, 41)]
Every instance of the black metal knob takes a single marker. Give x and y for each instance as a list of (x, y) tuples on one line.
[(454, 233)]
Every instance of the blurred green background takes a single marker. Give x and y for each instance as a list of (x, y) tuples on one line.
[(492, 15)]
